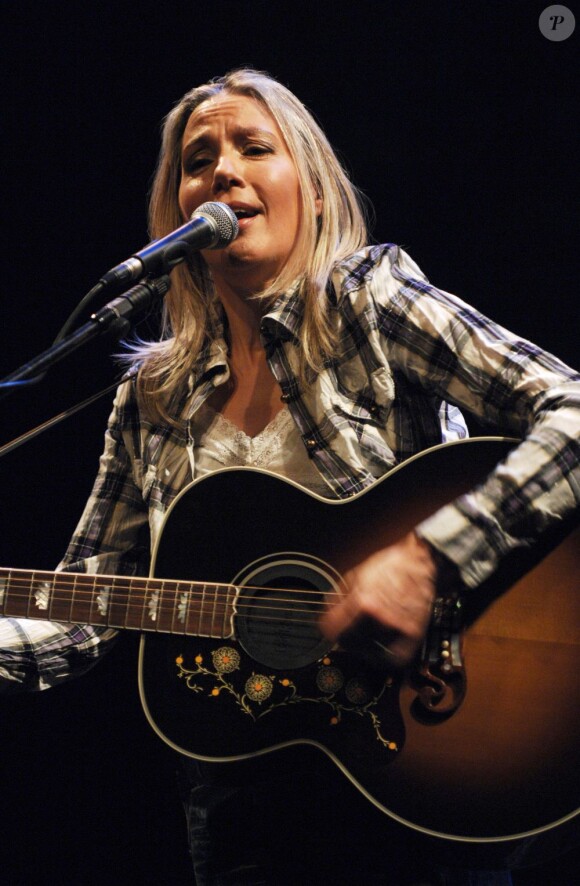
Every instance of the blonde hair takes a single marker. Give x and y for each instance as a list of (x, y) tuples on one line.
[(324, 239)]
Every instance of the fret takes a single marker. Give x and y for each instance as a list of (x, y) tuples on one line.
[(195, 600), (180, 600), (167, 614), (136, 612), (166, 610), (183, 594), (202, 626), (151, 609), (39, 601), (73, 598), (100, 601), (192, 625), (87, 608), (205, 613), (218, 609), (114, 599), (214, 610), (229, 599)]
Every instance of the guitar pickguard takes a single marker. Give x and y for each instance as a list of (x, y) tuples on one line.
[(226, 675)]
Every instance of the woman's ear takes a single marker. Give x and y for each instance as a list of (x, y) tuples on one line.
[(318, 206)]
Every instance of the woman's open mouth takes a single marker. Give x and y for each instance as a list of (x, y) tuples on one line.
[(244, 214)]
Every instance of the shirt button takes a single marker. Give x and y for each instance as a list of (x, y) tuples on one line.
[(311, 444)]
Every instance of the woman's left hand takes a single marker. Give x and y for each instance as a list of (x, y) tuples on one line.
[(395, 588)]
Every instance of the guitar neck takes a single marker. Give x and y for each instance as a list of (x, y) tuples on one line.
[(117, 601)]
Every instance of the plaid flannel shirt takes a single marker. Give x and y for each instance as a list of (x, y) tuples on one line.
[(411, 357)]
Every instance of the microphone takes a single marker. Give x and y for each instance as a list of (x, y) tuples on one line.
[(211, 226)]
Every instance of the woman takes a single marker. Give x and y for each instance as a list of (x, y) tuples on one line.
[(299, 349)]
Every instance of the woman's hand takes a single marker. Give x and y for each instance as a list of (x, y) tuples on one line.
[(395, 588)]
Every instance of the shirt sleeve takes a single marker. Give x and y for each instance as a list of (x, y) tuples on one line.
[(112, 537), (447, 347)]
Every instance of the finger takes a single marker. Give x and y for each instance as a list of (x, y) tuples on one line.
[(340, 616)]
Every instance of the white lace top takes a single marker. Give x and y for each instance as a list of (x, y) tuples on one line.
[(219, 443)]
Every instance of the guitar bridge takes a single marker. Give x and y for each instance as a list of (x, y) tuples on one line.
[(440, 678)]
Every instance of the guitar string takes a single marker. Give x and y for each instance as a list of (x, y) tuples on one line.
[(209, 602), (162, 614), (130, 588), (169, 608), (200, 619), (66, 580)]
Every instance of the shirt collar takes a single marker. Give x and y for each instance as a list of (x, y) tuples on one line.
[(283, 320)]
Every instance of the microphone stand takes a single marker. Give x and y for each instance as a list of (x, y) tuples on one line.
[(56, 419), (115, 318)]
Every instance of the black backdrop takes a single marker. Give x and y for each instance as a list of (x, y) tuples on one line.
[(459, 122)]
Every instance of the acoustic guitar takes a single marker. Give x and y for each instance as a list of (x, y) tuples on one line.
[(478, 741)]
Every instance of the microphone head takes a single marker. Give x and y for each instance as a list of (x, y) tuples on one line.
[(224, 221)]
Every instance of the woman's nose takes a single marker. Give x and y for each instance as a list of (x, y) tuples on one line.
[(227, 173)]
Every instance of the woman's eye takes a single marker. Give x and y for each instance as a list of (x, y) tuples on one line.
[(195, 163), (256, 150)]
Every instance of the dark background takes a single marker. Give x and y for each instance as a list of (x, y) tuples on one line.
[(458, 120)]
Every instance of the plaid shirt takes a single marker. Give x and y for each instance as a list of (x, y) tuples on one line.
[(411, 355)]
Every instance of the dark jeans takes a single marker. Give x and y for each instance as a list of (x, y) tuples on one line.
[(288, 820)]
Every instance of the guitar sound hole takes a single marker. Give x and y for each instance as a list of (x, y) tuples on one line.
[(277, 615)]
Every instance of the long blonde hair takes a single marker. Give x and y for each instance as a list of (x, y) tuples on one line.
[(324, 239)]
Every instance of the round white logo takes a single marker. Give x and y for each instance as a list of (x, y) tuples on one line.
[(557, 22)]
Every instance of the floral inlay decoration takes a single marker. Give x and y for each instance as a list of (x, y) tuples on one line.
[(324, 684)]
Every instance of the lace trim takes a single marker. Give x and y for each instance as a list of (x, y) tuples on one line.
[(232, 446)]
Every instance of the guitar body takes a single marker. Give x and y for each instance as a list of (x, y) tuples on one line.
[(504, 763)]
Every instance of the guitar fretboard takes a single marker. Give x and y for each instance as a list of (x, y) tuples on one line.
[(141, 604)]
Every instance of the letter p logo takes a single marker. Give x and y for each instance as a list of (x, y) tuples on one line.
[(557, 23)]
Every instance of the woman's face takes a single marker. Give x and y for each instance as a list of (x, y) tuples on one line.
[(233, 152)]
